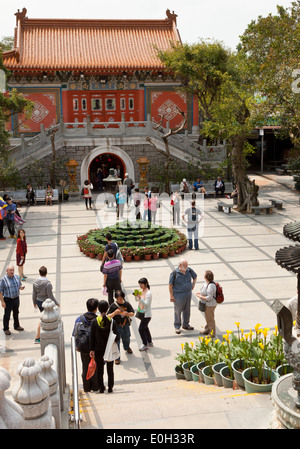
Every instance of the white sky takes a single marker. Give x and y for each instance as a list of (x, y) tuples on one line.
[(223, 20)]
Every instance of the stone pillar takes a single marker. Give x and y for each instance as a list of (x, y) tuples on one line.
[(32, 394), (52, 335), (51, 376), (11, 414)]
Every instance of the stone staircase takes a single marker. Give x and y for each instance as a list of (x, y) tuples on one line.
[(92, 134)]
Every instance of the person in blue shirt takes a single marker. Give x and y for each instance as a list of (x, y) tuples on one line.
[(10, 286), (10, 217), (120, 200), (198, 186), (181, 283)]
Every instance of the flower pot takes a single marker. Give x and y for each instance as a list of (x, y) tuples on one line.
[(195, 373), (92, 255), (237, 371), (155, 256), (172, 253), (100, 256), (284, 369), (227, 382), (207, 375), (148, 256), (216, 370), (179, 372), (200, 366), (81, 249), (252, 387), (187, 370), (164, 255), (137, 257), (128, 258)]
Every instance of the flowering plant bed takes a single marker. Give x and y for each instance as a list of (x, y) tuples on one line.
[(138, 238), (259, 352)]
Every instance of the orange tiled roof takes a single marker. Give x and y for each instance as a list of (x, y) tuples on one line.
[(58, 44)]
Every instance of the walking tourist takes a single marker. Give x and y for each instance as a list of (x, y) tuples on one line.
[(41, 290), (181, 283), (10, 217), (175, 205), (86, 192), (120, 200), (153, 207), (122, 311), (3, 206), (82, 334), (100, 329), (21, 252), (194, 217), (10, 286), (145, 299), (112, 275), (207, 295), (128, 183)]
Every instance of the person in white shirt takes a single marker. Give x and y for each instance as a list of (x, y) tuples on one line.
[(208, 296)]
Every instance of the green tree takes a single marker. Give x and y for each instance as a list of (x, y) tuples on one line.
[(226, 98), (273, 57)]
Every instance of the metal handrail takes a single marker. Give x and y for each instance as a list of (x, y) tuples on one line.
[(75, 384)]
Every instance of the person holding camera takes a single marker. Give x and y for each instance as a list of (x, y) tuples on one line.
[(122, 311), (145, 298)]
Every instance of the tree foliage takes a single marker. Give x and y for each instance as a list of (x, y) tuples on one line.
[(272, 47)]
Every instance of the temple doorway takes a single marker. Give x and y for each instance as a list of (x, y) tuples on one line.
[(100, 165)]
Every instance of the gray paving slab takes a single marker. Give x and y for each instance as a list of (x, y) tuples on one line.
[(239, 249)]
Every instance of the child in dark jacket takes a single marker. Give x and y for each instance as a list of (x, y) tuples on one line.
[(100, 329)]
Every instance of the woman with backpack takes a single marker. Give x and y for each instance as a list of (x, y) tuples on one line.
[(207, 296), (86, 192)]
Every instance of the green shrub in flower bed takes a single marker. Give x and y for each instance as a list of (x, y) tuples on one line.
[(137, 238)]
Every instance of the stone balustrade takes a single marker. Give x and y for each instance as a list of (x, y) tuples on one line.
[(38, 400)]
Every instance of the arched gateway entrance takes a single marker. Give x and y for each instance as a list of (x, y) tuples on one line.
[(108, 157)]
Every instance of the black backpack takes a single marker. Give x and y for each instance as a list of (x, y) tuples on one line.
[(82, 335)]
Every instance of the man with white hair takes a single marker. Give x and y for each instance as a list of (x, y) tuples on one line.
[(181, 283), (10, 285)]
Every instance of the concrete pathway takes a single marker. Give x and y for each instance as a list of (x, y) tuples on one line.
[(239, 249)]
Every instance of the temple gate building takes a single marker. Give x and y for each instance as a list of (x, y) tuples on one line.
[(102, 84)]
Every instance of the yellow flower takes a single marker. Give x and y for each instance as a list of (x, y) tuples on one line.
[(229, 332), (257, 327), (207, 340), (242, 331), (182, 345), (237, 324), (276, 328), (225, 337), (192, 344), (261, 346), (217, 341), (265, 332)]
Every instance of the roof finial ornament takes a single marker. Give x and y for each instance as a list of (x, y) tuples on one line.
[(21, 15), (171, 16)]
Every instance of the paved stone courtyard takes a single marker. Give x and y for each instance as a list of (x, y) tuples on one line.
[(239, 249)]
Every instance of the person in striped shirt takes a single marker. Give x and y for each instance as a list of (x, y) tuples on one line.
[(10, 286)]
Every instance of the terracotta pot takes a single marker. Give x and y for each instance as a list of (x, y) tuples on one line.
[(92, 255), (80, 249), (148, 256), (172, 253), (100, 256), (155, 256), (137, 257), (164, 255), (128, 258)]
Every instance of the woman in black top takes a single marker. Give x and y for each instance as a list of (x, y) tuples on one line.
[(100, 329)]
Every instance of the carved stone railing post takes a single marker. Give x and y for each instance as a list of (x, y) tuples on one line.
[(32, 394), (51, 376), (11, 414), (52, 335)]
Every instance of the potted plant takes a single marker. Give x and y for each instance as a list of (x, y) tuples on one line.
[(147, 252), (164, 252), (185, 359), (127, 254)]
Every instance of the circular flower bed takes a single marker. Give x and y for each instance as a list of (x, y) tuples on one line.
[(136, 241)]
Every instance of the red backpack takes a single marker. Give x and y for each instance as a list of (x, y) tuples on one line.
[(219, 293)]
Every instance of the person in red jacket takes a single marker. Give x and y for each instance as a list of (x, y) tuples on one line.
[(21, 253)]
